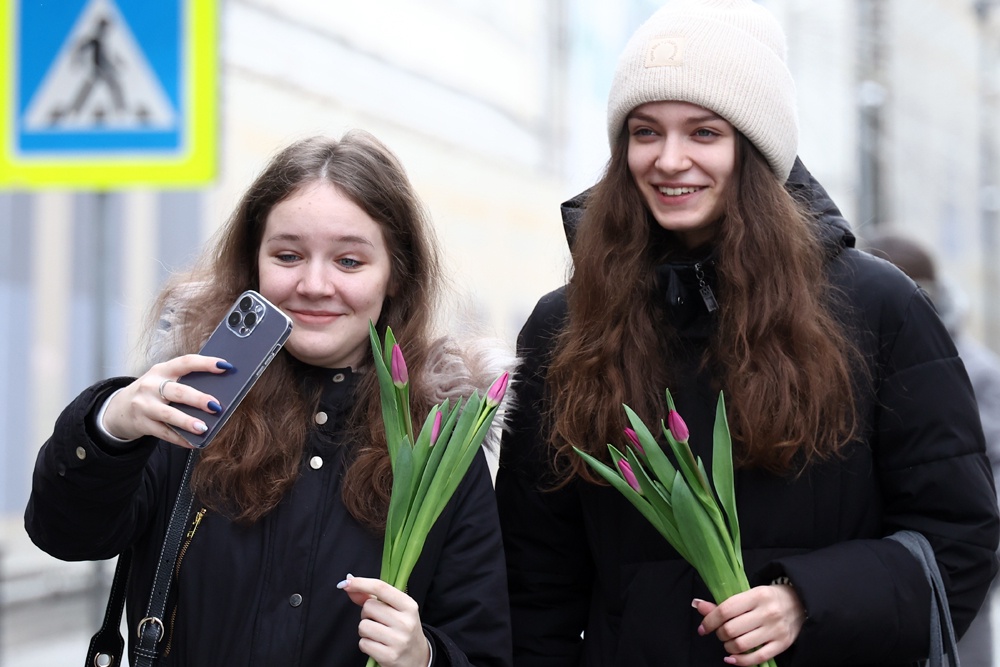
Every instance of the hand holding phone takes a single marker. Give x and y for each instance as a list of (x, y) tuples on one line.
[(249, 336)]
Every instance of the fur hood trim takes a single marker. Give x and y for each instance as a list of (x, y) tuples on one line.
[(455, 369)]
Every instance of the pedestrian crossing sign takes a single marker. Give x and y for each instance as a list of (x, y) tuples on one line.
[(108, 93)]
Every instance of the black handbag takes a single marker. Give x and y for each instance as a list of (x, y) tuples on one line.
[(107, 647)]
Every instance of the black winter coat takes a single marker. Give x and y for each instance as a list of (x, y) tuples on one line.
[(582, 560), (266, 594)]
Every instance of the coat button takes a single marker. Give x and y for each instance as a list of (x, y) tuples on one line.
[(295, 600), (339, 377), (320, 418), (81, 453), (316, 462)]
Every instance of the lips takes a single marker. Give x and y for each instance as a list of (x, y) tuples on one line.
[(677, 191), (314, 316), (673, 196)]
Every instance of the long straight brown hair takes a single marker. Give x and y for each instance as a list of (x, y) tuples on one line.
[(255, 459), (782, 357)]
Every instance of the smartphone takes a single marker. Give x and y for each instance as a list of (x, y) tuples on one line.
[(248, 337)]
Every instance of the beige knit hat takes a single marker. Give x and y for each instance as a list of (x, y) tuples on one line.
[(724, 55)]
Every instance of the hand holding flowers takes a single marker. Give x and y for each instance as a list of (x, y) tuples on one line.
[(390, 630), (756, 625)]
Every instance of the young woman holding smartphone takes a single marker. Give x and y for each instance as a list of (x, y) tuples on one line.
[(290, 498)]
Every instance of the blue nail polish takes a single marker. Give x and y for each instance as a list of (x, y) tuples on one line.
[(214, 407), (224, 365)]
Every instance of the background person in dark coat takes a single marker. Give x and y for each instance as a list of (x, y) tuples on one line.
[(853, 418), (291, 497)]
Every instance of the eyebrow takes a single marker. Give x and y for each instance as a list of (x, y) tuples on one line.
[(347, 238)]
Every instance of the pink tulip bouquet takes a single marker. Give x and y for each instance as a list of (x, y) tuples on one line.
[(695, 513), (427, 466)]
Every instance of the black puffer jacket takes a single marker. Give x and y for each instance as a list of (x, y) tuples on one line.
[(266, 594), (582, 560)]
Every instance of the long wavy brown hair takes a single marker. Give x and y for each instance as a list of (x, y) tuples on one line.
[(782, 357), (255, 459)]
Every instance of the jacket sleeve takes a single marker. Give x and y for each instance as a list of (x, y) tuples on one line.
[(867, 599), (549, 567), (87, 503), (465, 614)]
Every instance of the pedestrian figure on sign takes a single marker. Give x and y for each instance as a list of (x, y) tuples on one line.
[(102, 70)]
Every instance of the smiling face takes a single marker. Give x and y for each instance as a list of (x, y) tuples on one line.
[(682, 158), (325, 263)]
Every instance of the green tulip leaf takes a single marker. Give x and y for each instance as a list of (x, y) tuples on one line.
[(723, 476)]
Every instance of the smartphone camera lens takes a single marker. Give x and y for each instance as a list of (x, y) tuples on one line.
[(246, 315)]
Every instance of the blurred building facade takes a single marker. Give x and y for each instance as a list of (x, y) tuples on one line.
[(497, 112)]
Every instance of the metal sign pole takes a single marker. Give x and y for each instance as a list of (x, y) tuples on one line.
[(102, 305)]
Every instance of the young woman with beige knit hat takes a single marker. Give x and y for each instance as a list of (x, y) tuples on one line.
[(706, 259)]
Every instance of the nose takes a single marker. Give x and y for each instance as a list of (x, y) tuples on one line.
[(317, 280), (674, 156)]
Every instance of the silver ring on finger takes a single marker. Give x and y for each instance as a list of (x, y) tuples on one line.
[(162, 385)]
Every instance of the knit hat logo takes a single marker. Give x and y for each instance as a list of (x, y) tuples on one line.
[(668, 52)]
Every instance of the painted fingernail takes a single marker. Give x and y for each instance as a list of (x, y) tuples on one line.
[(224, 365), (729, 660), (701, 630), (200, 427), (214, 407), (695, 602), (344, 583)]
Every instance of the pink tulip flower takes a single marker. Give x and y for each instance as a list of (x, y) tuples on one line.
[(629, 476), (399, 375), (499, 387), (436, 427), (633, 439), (677, 427)]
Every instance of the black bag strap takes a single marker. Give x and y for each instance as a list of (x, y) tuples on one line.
[(107, 646)]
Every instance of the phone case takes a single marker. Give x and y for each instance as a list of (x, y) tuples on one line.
[(249, 337)]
